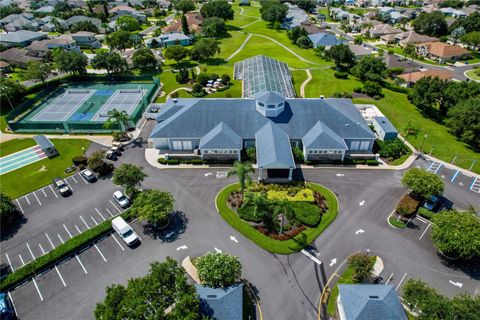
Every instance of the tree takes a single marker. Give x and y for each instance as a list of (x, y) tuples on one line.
[(409, 50), (273, 11), (185, 29), (177, 53), (471, 39), (470, 23), (213, 27), (225, 79), (111, 61), (182, 76), (164, 287), (258, 206), (128, 23), (217, 8), (431, 24), (8, 10), (9, 214), (427, 94), (11, 93), (304, 42), (37, 71), (457, 234), (71, 61), (457, 33), (218, 270), (96, 159), (464, 121), (362, 266), (457, 4), (341, 55), (85, 25), (105, 8), (119, 120), (144, 58), (295, 33), (372, 88), (120, 40), (283, 208), (410, 130), (154, 206), (204, 49), (243, 171), (422, 183), (185, 6), (307, 5), (129, 176), (202, 78), (370, 68)]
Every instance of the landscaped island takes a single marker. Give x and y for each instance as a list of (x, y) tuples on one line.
[(280, 218)]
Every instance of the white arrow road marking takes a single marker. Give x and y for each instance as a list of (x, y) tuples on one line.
[(208, 174), (359, 231), (361, 203), (218, 250), (460, 184), (233, 239), (184, 247), (340, 175), (168, 235), (334, 261), (457, 284)]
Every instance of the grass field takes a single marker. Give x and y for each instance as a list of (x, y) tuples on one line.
[(472, 74), (298, 77), (36, 175), (12, 146), (324, 83)]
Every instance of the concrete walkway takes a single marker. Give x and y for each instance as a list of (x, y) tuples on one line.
[(240, 48), (178, 89), (304, 83)]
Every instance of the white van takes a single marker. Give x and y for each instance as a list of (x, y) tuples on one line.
[(124, 231)]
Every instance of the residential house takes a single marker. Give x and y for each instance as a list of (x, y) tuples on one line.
[(219, 129), (360, 50), (324, 39), (5, 67), (454, 13), (412, 77), (384, 128), (380, 30), (20, 56), (164, 4), (128, 56), (394, 62), (170, 39), (194, 21), (221, 303), (20, 38), (412, 38), (75, 19), (7, 3), (294, 18), (40, 48), (49, 24), (441, 52), (339, 14), (310, 27), (86, 39), (369, 301), (64, 41), (244, 3), (126, 10), (471, 9), (21, 21)]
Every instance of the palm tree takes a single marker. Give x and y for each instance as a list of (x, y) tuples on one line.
[(243, 171), (283, 207), (410, 130), (119, 119), (259, 204)]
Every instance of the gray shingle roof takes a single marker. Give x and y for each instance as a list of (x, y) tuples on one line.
[(324, 39), (270, 97), (221, 137), (72, 20), (385, 124), (370, 301), (273, 148), (221, 304), (21, 36), (322, 137)]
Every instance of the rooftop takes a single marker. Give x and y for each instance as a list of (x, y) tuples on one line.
[(21, 36), (221, 304), (415, 76), (443, 50)]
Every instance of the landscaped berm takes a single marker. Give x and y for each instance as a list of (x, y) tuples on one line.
[(280, 218)]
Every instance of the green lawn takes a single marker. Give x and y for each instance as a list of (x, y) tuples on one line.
[(298, 77), (36, 175), (276, 246), (15, 145), (400, 111), (231, 43), (241, 20), (398, 50), (324, 83), (396, 222), (472, 74), (400, 160)]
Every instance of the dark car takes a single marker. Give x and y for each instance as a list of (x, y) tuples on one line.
[(62, 186), (7, 311), (88, 175), (438, 203), (110, 155)]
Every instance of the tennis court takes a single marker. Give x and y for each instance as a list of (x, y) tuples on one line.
[(64, 106), (122, 100), (21, 158)]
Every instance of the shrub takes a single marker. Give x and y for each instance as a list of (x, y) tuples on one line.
[(357, 89), (298, 155), (197, 161), (372, 88), (425, 213), (162, 161), (182, 76), (79, 160), (345, 94), (305, 195), (372, 162), (225, 79), (218, 269), (307, 213), (407, 206), (202, 78), (392, 149), (245, 212), (340, 75), (173, 161)]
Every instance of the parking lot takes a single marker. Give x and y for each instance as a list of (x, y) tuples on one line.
[(53, 219), (454, 176)]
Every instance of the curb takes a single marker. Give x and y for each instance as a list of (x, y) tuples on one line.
[(378, 266), (392, 226)]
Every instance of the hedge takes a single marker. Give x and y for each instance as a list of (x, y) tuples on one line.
[(177, 161), (424, 212), (64, 250), (291, 245)]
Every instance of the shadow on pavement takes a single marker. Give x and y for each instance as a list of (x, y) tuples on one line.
[(470, 268), (177, 226)]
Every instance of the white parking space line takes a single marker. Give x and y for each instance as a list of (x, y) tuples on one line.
[(109, 212), (61, 240), (61, 278), (54, 193), (74, 179), (44, 193), (28, 246), (21, 259), (78, 229), (68, 184), (113, 204), (38, 290), (67, 231), (37, 198), (115, 238), (41, 248), (424, 231), (18, 203), (422, 219), (389, 278), (27, 199), (88, 227), (94, 221), (13, 303), (83, 178), (81, 264), (51, 243), (401, 280), (103, 257), (9, 262), (100, 214)]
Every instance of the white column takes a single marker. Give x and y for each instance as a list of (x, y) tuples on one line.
[(343, 154), (239, 155), (260, 173), (290, 172)]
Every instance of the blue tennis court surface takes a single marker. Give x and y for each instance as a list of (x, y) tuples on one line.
[(103, 93), (82, 116), (20, 159)]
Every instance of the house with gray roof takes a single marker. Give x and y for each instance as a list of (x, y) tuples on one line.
[(170, 39), (324, 39), (21, 38), (221, 303), (369, 301), (21, 21), (294, 18), (384, 128), (75, 19), (327, 130)]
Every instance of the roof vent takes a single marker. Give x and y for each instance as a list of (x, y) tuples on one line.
[(175, 100), (212, 296), (347, 125), (358, 123), (373, 297)]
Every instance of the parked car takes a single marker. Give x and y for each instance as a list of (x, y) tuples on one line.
[(116, 150), (62, 186), (438, 203), (121, 199), (88, 175), (124, 230), (110, 155), (7, 311)]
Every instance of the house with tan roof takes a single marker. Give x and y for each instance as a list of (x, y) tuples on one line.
[(441, 52), (194, 21), (383, 29), (412, 77), (412, 38), (20, 57)]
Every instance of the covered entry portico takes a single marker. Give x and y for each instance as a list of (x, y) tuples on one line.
[(273, 151)]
